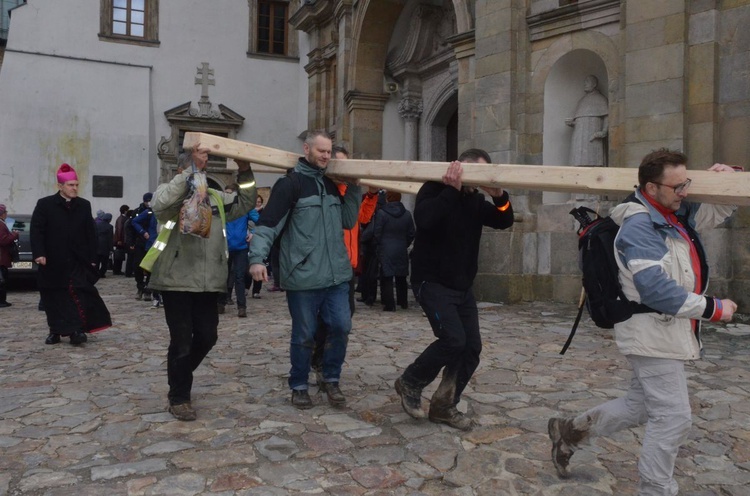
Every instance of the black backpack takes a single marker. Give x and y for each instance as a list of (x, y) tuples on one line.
[(602, 293)]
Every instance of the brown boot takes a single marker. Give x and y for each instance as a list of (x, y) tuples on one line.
[(451, 416), (183, 411), (565, 439)]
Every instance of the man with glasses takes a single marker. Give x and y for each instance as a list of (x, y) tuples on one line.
[(663, 265)]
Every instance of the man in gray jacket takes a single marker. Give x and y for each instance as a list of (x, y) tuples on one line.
[(191, 272), (662, 265), (308, 212)]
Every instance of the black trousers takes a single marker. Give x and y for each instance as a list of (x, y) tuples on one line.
[(192, 319), (386, 292), (117, 259), (142, 277), (130, 263), (3, 283), (454, 319)]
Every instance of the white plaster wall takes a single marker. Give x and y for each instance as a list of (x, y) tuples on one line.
[(110, 99), (44, 124)]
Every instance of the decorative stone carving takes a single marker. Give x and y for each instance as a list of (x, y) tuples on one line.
[(204, 104), (588, 144), (410, 108)]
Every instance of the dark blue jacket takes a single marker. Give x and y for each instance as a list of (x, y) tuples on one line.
[(145, 222)]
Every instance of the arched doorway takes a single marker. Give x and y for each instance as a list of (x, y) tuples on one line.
[(443, 131)]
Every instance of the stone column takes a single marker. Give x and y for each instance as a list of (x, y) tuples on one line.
[(655, 77), (410, 109), (366, 123)]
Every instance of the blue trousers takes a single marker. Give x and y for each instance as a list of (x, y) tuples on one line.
[(332, 305)]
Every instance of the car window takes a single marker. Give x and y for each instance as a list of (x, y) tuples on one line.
[(20, 224)]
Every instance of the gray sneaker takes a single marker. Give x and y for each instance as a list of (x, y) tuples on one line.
[(411, 399), (301, 399)]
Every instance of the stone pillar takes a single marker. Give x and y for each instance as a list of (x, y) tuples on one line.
[(343, 18), (366, 123), (410, 109), (654, 78), (463, 46), (702, 74), (497, 97)]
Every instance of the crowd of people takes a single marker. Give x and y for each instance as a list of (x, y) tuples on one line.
[(318, 234)]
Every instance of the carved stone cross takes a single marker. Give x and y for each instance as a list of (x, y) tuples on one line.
[(205, 79)]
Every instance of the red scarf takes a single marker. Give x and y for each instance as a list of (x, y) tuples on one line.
[(673, 221)]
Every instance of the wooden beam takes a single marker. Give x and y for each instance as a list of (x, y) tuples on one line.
[(710, 187), (277, 162)]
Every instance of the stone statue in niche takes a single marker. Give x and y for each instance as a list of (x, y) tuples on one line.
[(588, 146)]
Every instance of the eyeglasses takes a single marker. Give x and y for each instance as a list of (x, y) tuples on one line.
[(680, 188)]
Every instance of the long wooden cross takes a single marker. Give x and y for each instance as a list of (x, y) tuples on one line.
[(707, 186)]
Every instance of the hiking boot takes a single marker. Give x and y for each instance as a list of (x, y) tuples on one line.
[(241, 312), (301, 399), (452, 417), (332, 390), (183, 411), (411, 399), (220, 308), (78, 338), (562, 450)]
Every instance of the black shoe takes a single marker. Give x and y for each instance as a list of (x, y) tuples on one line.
[(52, 339), (78, 338), (332, 390), (301, 399), (389, 308), (5, 304)]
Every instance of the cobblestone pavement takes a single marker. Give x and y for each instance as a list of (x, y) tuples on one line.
[(92, 420)]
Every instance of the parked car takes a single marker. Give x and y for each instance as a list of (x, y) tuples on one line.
[(25, 267)]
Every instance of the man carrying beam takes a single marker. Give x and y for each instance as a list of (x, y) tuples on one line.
[(449, 217), (662, 264), (309, 214)]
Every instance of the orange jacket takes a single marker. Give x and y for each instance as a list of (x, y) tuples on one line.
[(351, 236)]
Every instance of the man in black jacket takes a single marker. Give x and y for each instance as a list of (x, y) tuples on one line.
[(449, 219)]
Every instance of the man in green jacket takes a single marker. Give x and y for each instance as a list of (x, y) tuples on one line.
[(191, 272), (308, 212)]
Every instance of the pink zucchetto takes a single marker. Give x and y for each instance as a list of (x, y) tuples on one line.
[(66, 173)]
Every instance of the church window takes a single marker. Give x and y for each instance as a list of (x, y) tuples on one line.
[(272, 27), (130, 21), (270, 32), (128, 17)]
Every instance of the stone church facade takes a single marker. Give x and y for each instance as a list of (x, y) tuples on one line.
[(423, 79), (391, 79)]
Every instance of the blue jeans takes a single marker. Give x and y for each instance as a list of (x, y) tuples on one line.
[(332, 304), (237, 271)]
